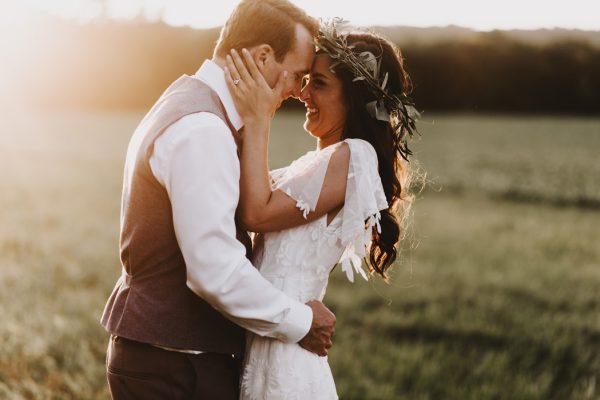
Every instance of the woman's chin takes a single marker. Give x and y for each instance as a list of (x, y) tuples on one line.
[(307, 127)]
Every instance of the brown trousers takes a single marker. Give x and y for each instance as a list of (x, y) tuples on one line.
[(141, 371)]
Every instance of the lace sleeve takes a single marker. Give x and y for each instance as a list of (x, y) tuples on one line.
[(364, 200), (276, 175), (303, 179)]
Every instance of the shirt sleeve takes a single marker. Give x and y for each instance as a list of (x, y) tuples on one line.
[(196, 161)]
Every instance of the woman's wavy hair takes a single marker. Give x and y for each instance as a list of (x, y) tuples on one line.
[(393, 169)]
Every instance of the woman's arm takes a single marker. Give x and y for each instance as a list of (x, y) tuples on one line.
[(260, 208), (277, 211)]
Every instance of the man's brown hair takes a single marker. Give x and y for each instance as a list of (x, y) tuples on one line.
[(272, 22)]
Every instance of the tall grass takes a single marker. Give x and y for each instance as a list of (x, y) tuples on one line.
[(536, 159), (496, 299)]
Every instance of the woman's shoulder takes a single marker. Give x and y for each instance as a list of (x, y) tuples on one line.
[(339, 153), (361, 145), (350, 154), (338, 156)]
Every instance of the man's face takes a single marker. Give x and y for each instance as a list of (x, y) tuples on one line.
[(297, 62)]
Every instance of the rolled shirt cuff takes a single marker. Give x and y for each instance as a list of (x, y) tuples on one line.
[(296, 324)]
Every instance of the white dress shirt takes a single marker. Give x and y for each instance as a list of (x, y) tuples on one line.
[(196, 161)]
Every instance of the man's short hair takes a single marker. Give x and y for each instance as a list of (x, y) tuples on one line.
[(272, 22)]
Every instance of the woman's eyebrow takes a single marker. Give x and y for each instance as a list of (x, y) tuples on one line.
[(317, 75)]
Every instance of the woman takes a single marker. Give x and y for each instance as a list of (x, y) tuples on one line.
[(331, 203)]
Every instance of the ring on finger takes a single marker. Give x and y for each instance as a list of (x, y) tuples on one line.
[(237, 81)]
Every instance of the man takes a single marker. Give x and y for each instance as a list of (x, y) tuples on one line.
[(187, 290)]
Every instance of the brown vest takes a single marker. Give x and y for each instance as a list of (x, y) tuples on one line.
[(151, 302)]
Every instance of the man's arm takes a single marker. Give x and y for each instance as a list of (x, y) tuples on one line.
[(196, 161)]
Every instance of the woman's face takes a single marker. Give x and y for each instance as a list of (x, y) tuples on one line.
[(325, 105)]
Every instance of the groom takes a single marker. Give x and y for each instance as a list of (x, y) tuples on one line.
[(187, 291)]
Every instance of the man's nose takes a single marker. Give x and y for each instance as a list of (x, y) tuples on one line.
[(296, 91)]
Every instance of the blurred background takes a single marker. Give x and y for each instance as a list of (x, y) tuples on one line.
[(495, 292)]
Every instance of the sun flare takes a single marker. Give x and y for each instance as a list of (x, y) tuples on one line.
[(489, 15)]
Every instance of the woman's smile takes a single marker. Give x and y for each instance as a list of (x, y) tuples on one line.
[(311, 112)]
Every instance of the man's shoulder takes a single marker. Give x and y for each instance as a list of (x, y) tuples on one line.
[(202, 119), (206, 122)]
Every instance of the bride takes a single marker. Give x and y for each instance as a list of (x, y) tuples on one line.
[(332, 205)]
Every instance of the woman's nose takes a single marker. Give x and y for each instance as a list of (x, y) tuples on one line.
[(304, 93)]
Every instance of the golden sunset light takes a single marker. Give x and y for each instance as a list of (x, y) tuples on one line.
[(483, 15), (181, 223)]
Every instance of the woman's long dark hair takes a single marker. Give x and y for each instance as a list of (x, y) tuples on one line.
[(359, 124)]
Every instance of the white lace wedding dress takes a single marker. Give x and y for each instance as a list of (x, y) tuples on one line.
[(298, 261)]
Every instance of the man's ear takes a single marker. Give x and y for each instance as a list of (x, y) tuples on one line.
[(263, 55)]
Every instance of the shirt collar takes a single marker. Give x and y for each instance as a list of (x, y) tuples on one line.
[(213, 75)]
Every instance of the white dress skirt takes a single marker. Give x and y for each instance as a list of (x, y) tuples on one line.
[(298, 261)]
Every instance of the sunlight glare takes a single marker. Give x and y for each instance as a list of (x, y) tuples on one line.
[(151, 10), (14, 34), (488, 15), (196, 14), (80, 10)]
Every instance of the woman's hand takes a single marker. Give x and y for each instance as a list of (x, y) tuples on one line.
[(255, 101)]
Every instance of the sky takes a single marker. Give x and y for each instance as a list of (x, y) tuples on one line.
[(480, 15)]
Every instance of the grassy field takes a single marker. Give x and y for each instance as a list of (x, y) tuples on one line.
[(496, 295)]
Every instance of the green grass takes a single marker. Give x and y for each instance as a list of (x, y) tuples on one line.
[(497, 298), (538, 159)]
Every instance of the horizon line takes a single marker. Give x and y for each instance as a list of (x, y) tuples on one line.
[(144, 19)]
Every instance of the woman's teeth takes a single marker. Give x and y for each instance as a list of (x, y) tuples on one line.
[(312, 111)]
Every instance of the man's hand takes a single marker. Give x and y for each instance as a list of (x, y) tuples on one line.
[(318, 338)]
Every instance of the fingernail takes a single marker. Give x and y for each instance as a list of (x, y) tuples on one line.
[(245, 50)]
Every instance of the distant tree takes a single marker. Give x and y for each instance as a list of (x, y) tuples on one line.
[(120, 64)]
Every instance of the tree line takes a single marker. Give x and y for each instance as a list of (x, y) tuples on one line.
[(110, 64)]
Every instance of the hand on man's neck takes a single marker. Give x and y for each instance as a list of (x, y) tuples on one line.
[(219, 61)]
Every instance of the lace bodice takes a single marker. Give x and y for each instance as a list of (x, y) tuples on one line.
[(299, 260)]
